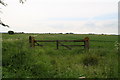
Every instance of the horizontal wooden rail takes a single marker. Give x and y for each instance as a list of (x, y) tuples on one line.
[(72, 45), (59, 40), (101, 41)]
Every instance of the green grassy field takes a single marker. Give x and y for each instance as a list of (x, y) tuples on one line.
[(21, 61)]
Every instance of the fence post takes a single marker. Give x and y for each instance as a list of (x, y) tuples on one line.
[(32, 41), (57, 44), (86, 42)]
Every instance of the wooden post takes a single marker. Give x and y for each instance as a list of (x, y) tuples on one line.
[(57, 44), (32, 41), (86, 42)]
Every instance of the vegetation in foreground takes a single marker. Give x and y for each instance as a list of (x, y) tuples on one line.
[(21, 61)]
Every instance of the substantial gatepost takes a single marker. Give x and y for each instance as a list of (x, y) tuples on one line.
[(32, 41), (86, 42)]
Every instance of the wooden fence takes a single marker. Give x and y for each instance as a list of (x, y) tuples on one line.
[(34, 42)]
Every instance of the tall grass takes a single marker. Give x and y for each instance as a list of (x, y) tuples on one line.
[(21, 61)]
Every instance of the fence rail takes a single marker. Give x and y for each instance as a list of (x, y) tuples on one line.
[(34, 42), (101, 41)]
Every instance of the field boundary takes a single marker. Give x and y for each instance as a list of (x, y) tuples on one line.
[(34, 42)]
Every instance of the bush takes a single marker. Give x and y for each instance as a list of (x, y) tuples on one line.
[(10, 32), (90, 60)]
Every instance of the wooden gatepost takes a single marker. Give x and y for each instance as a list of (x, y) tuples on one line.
[(32, 41), (86, 42)]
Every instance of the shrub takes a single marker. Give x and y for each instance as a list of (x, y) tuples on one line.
[(10, 32), (90, 60)]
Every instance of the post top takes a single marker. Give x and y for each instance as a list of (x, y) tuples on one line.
[(86, 38)]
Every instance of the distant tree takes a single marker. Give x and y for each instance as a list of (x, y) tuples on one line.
[(5, 4), (22, 32), (102, 34), (91, 33), (10, 32), (71, 33)]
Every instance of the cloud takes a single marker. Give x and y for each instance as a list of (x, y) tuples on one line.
[(68, 18), (102, 26), (80, 16), (107, 16)]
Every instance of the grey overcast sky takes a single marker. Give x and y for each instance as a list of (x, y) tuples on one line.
[(77, 16)]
